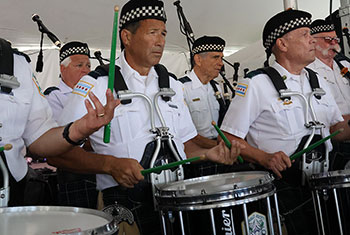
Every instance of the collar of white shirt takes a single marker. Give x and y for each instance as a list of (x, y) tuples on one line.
[(283, 72), (130, 73), (196, 83)]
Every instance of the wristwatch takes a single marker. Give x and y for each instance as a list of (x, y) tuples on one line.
[(66, 136)]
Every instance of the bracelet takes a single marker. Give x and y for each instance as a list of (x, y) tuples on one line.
[(66, 136)]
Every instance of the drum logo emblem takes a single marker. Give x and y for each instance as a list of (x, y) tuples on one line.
[(256, 223)]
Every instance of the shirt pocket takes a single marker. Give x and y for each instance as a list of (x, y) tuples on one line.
[(198, 107), (288, 118), (16, 109)]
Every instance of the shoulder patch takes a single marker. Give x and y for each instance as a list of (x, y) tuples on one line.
[(50, 89), (36, 82), (82, 88), (185, 79), (241, 89), (253, 73)]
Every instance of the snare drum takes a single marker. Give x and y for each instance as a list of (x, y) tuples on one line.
[(47, 220), (331, 196), (231, 203)]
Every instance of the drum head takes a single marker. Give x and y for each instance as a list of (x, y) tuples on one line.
[(40, 220), (215, 191), (331, 179)]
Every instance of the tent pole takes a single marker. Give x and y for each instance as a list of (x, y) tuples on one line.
[(290, 4)]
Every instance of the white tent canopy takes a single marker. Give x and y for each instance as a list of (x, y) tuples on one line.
[(239, 22)]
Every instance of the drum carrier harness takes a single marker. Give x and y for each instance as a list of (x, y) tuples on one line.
[(310, 163), (155, 153)]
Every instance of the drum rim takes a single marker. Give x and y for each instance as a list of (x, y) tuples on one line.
[(107, 229), (330, 179), (233, 196)]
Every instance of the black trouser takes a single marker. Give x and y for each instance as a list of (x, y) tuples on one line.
[(146, 218), (16, 188)]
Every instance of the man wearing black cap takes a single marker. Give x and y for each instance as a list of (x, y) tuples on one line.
[(271, 124), (331, 65), (74, 64), (77, 190), (27, 122), (200, 89), (142, 32)]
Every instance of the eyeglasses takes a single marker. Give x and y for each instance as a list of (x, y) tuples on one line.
[(330, 39)]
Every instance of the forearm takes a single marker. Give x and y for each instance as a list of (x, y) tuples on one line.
[(345, 135), (204, 142), (80, 161)]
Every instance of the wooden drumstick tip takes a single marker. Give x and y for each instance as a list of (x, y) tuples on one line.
[(7, 146), (213, 123), (116, 8), (341, 129)]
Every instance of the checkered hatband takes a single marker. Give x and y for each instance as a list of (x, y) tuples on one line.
[(74, 48), (320, 26), (282, 23), (208, 47), (208, 43), (142, 12), (283, 29)]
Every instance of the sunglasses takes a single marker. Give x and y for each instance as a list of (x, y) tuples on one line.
[(330, 39)]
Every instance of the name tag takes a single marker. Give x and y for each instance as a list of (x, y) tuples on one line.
[(196, 99), (174, 106)]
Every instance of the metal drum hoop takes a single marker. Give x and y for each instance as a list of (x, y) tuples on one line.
[(235, 195), (330, 180), (109, 228)]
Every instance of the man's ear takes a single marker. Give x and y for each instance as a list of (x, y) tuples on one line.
[(197, 59), (126, 37), (282, 44)]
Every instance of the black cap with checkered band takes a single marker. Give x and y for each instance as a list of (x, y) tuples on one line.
[(136, 10), (282, 23), (320, 26), (74, 48), (208, 43)]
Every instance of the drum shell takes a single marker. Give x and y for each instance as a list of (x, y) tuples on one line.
[(329, 188), (41, 220), (226, 202)]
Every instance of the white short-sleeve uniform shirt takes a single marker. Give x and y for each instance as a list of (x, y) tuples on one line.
[(131, 123), (258, 114), (25, 116), (338, 85), (203, 106)]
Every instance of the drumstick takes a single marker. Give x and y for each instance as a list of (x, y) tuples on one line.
[(6, 147), (227, 142), (314, 145), (107, 130), (158, 169)]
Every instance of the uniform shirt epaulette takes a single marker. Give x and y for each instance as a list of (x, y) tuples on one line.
[(50, 89), (173, 76), (254, 73), (17, 52), (99, 71), (185, 79)]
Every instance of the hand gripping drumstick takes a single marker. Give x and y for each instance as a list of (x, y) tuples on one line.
[(227, 142), (314, 145), (107, 130)]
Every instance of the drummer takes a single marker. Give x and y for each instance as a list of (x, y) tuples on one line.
[(272, 128), (142, 33), (26, 121)]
